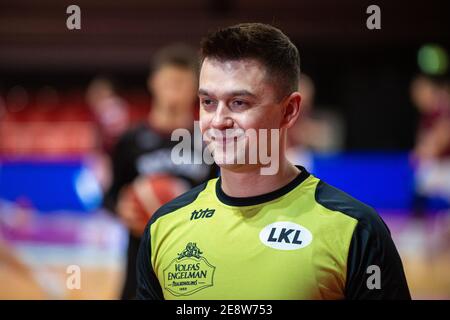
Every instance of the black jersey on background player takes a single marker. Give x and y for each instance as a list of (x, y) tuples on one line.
[(144, 151)]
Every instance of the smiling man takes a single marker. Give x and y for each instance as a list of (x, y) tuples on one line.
[(255, 233)]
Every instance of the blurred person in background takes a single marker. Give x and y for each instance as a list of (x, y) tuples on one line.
[(314, 131), (145, 150), (431, 158), (110, 111), (111, 115), (431, 154)]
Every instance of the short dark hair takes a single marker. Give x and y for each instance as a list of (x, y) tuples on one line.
[(259, 41), (178, 54)]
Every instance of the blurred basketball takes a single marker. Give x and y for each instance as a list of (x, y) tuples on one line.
[(151, 192)]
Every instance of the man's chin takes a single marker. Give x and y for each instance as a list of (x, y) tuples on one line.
[(229, 166), (221, 162), (234, 165)]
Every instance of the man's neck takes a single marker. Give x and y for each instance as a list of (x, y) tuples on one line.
[(249, 183)]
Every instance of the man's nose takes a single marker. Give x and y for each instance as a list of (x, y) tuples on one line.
[(222, 118)]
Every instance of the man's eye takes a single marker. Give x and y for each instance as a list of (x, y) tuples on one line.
[(239, 103), (207, 102)]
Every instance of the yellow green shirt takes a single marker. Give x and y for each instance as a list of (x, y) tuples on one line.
[(306, 240)]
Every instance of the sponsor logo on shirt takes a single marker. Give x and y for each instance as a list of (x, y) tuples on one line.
[(285, 235), (202, 213), (189, 273)]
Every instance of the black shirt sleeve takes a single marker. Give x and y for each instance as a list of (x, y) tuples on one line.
[(123, 170), (373, 254), (148, 287)]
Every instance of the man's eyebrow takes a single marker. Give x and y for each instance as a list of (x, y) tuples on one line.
[(203, 92), (242, 93), (230, 93)]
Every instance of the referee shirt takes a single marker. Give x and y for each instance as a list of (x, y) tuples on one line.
[(306, 240)]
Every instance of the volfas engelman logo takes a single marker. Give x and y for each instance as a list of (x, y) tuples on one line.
[(189, 273)]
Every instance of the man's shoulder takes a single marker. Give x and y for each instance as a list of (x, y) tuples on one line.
[(129, 135), (133, 129), (335, 199), (141, 130), (370, 245), (181, 201)]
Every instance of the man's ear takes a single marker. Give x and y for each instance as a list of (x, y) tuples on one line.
[(291, 109)]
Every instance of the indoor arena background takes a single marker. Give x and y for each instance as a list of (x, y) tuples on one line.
[(372, 93)]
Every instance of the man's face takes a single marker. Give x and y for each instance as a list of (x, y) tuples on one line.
[(174, 88), (236, 96)]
